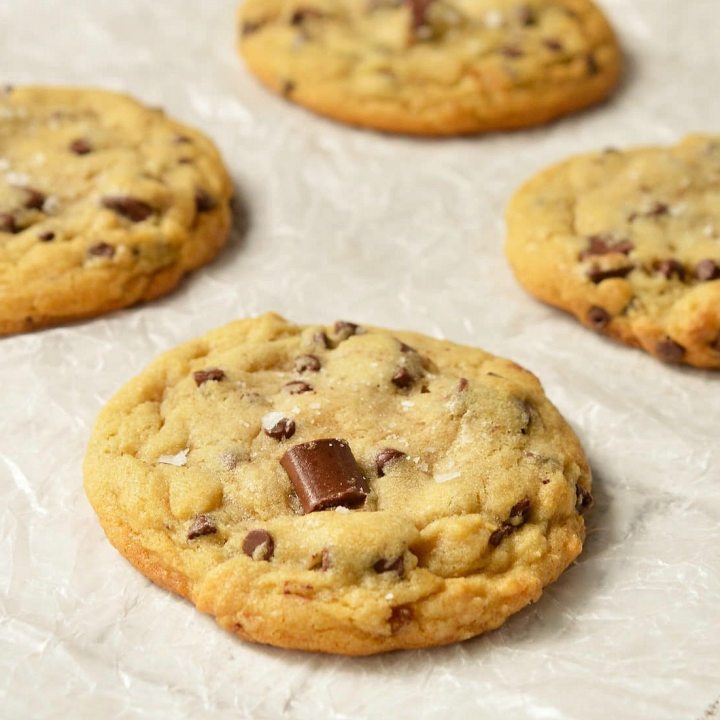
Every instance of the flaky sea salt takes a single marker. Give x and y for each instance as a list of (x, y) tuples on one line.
[(407, 404), (17, 179), (51, 204), (342, 510), (270, 420), (177, 460), (446, 477)]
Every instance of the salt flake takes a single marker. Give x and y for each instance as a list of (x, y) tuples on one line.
[(445, 477), (177, 460)]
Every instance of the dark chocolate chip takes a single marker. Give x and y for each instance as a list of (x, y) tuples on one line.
[(204, 202), (591, 64), (510, 51), (35, 199), (520, 513), (129, 207), (101, 250), (7, 223), (598, 317), (307, 363), (283, 429), (343, 329), (584, 499), (669, 351), (463, 385), (707, 270), (259, 545), (385, 457), (325, 474), (670, 267), (395, 565), (553, 44), (497, 536), (604, 245), (597, 275), (526, 15), (203, 376), (402, 378), (298, 387), (202, 525), (399, 616), (46, 236), (80, 147)]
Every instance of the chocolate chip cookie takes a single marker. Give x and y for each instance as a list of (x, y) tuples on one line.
[(342, 489), (629, 243), (433, 67), (103, 203)]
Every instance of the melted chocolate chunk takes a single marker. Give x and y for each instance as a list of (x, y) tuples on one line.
[(307, 363), (283, 429), (343, 330), (102, 250), (604, 245), (325, 474), (597, 275), (399, 616), (591, 64), (584, 499), (46, 236), (463, 384), (202, 525), (298, 387), (598, 317), (395, 565), (7, 223), (203, 376), (385, 457), (320, 338), (35, 199), (204, 202), (715, 345), (669, 351), (707, 270), (402, 378), (497, 536), (670, 267), (259, 545), (80, 147), (128, 207), (520, 513)]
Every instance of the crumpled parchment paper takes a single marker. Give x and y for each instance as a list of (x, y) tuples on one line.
[(396, 232)]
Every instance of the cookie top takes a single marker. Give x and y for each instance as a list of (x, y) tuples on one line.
[(103, 202), (433, 67), (629, 242), (340, 489)]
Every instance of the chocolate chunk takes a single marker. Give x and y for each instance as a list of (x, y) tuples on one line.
[(204, 202), (129, 207), (325, 474), (604, 245), (597, 275), (35, 199), (202, 525), (463, 385), (320, 338), (553, 44), (101, 250), (283, 429), (399, 616), (202, 376), (670, 267), (396, 565), (259, 545), (511, 51), (46, 236), (385, 457), (598, 317), (298, 387), (497, 536), (343, 330), (584, 499), (7, 223), (715, 345), (303, 14), (707, 270), (307, 363), (669, 351), (402, 378), (80, 147), (526, 15), (520, 513)]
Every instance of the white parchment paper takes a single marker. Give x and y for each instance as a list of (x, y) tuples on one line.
[(385, 230)]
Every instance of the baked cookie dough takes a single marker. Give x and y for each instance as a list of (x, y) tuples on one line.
[(340, 489), (629, 243), (103, 203), (433, 67)]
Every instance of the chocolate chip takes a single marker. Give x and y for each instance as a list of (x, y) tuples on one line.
[(715, 345), (129, 207), (7, 223), (584, 499), (202, 525), (320, 338), (399, 616), (35, 199), (520, 513), (670, 267), (288, 88), (101, 250), (669, 351), (343, 330), (707, 270), (463, 385), (307, 363), (553, 44), (658, 209), (80, 147), (46, 236), (283, 429), (396, 565), (402, 378), (598, 317), (597, 275), (182, 140), (298, 387), (526, 15), (497, 536), (303, 14), (385, 457), (259, 545), (510, 51), (325, 474), (204, 202), (203, 376), (591, 64), (604, 245)]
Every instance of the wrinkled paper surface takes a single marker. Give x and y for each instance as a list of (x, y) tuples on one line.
[(396, 232)]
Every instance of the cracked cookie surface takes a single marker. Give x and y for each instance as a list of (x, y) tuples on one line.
[(340, 489), (103, 203), (629, 243), (433, 67)]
